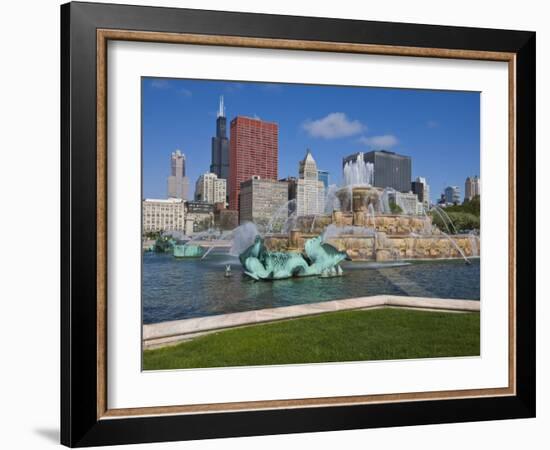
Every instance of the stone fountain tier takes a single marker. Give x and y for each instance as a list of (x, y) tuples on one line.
[(359, 198), (366, 233), (388, 223), (383, 247)]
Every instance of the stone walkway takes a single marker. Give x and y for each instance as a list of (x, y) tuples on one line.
[(172, 332)]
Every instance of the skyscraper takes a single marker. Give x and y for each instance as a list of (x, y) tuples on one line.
[(253, 151), (472, 188), (324, 176), (178, 183), (310, 191), (390, 169), (452, 194), (220, 145)]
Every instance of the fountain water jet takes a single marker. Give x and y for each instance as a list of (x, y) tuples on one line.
[(473, 243), (370, 210), (466, 260), (285, 211), (359, 172), (445, 219), (243, 237), (312, 224), (332, 202)]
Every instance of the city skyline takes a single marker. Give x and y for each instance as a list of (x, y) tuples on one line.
[(333, 121)]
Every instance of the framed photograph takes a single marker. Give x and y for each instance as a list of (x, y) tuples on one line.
[(277, 224)]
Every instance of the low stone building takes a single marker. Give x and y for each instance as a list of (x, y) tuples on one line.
[(199, 216), (163, 215), (225, 219)]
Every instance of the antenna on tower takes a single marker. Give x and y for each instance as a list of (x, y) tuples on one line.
[(221, 110)]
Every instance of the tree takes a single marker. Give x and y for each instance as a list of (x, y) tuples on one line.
[(394, 207), (462, 221), (469, 206), (152, 235)]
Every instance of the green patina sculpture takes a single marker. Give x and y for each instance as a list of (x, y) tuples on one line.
[(188, 251), (164, 244), (320, 259)]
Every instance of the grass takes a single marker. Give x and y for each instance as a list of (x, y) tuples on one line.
[(376, 334)]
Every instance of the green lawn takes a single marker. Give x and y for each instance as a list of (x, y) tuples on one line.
[(340, 336)]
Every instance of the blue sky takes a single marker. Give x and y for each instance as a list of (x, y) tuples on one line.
[(438, 129)]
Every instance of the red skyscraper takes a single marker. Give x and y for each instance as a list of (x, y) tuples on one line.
[(253, 150)]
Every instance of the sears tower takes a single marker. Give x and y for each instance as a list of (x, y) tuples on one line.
[(220, 146)]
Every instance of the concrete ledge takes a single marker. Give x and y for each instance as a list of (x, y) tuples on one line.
[(172, 332)]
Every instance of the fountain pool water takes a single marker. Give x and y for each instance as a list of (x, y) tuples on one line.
[(182, 250), (175, 289)]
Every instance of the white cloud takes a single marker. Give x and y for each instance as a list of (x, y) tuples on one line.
[(384, 141), (335, 125), (234, 87), (160, 83)]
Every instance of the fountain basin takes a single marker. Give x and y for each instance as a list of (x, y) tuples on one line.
[(383, 247), (188, 251), (358, 198)]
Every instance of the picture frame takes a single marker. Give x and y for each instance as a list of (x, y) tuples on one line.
[(86, 418)]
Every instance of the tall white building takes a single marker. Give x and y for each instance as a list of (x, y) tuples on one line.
[(163, 215), (422, 189), (210, 189), (407, 201), (472, 187), (178, 183), (310, 191)]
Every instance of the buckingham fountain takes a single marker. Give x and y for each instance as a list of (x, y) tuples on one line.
[(366, 242), (360, 223)]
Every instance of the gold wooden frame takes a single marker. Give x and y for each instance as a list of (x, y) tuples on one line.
[(104, 35)]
